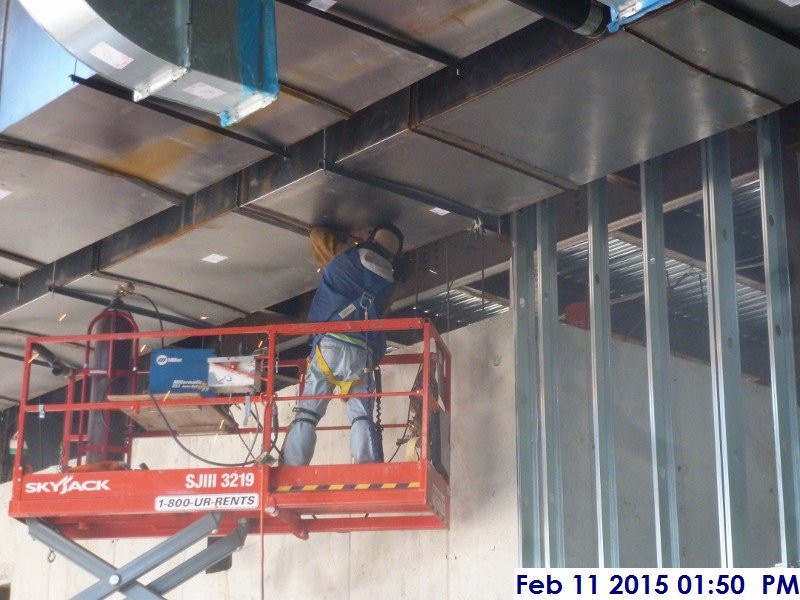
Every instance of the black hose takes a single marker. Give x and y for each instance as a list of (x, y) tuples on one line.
[(173, 433), (378, 446), (586, 17)]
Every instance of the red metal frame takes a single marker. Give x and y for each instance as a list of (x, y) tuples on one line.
[(298, 500), (88, 377)]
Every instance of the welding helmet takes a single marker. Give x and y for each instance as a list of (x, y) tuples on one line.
[(387, 253)]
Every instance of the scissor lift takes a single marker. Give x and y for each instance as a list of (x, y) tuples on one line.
[(80, 502)]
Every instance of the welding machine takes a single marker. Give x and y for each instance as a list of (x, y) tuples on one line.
[(179, 370)]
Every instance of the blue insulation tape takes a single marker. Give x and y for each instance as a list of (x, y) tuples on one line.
[(258, 54), (269, 50), (250, 21), (647, 6)]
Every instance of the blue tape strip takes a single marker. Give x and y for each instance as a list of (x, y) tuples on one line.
[(258, 48), (269, 49), (647, 6), (258, 53), (250, 20)]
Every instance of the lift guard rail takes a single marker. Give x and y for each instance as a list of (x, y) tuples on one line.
[(115, 499)]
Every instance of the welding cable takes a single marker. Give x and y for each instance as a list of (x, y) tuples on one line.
[(155, 308), (402, 439), (172, 432), (174, 435), (252, 446), (378, 426), (274, 440)]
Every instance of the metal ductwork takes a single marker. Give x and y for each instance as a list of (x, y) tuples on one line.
[(586, 17), (592, 17), (215, 56), (627, 11)]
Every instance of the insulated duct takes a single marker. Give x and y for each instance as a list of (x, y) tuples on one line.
[(215, 56), (586, 17)]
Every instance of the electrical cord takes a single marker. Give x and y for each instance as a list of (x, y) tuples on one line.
[(261, 352), (155, 308), (274, 440), (403, 440), (174, 435), (252, 446), (249, 448)]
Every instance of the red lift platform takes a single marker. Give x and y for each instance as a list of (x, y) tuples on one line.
[(115, 499)]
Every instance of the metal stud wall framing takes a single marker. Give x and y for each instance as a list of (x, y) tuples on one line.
[(662, 442), (726, 377), (547, 305), (781, 342), (541, 473), (528, 460), (602, 399)]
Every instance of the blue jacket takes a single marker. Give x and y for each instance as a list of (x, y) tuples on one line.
[(340, 292)]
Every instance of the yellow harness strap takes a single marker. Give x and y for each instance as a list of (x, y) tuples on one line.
[(343, 385)]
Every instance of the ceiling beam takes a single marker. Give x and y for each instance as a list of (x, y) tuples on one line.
[(522, 53), (494, 156), (9, 282), (412, 193), (686, 251), (315, 100), (22, 260), (214, 201), (20, 358), (272, 218), (688, 338), (457, 260), (136, 310), (163, 106), (407, 45), (122, 279), (512, 58), (675, 56), (30, 149), (754, 21)]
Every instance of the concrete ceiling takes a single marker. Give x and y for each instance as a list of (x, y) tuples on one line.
[(495, 110)]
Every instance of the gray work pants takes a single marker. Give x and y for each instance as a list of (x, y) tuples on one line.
[(346, 362)]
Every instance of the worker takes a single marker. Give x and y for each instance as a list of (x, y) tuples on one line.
[(357, 283)]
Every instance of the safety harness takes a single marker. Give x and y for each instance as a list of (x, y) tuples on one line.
[(350, 309), (364, 307), (343, 384)]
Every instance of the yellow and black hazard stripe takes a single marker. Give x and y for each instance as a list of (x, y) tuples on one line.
[(322, 487)]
